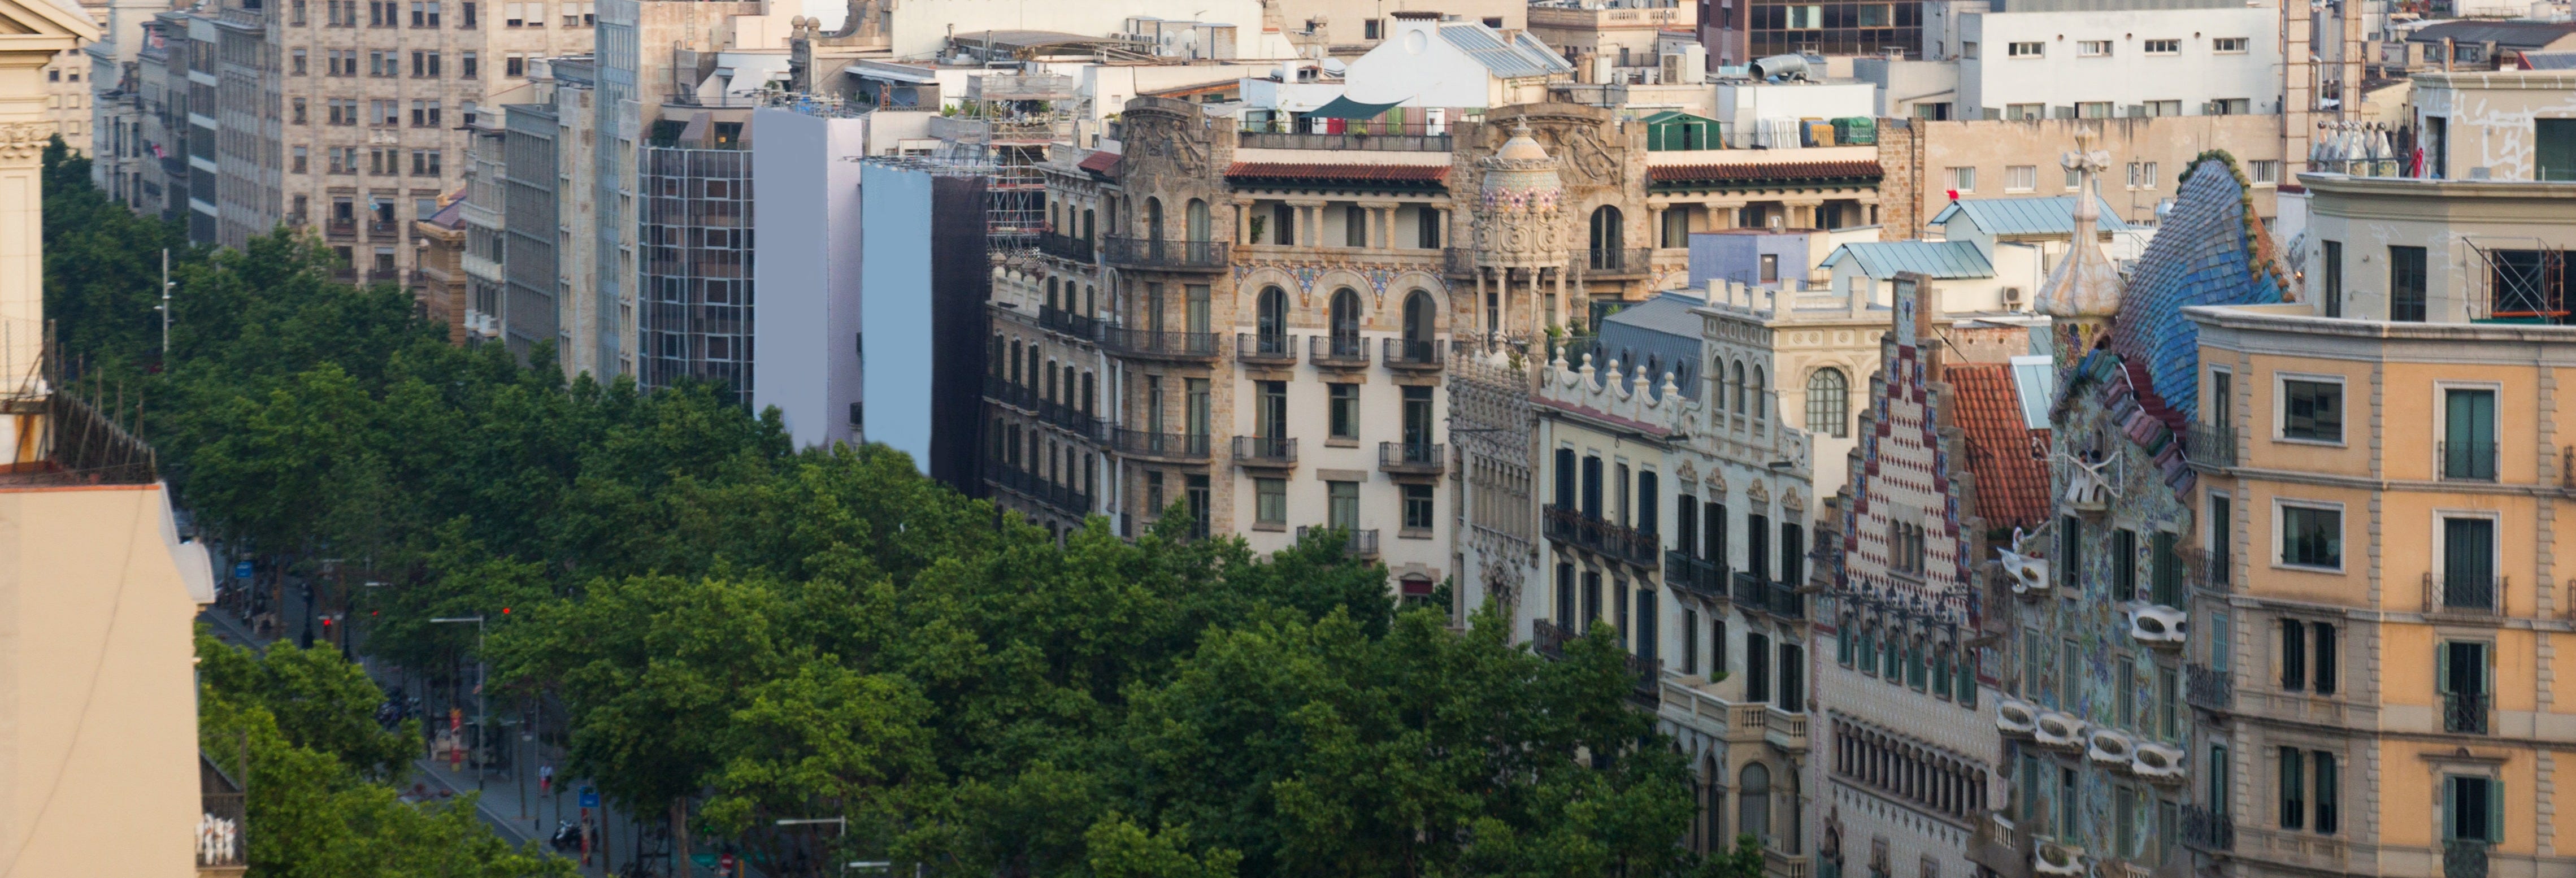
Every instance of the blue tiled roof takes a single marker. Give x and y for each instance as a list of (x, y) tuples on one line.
[(2030, 215), (1935, 259), (2201, 255)]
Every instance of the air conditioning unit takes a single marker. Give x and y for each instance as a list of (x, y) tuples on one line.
[(2012, 298)]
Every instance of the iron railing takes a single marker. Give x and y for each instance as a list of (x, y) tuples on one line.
[(380, 228), (1358, 543), (1159, 343), (1263, 347), (2208, 688), (340, 228), (1057, 319), (1066, 247), (2465, 713), (1191, 447), (1154, 253), (1409, 354), (1265, 451), (1632, 260), (1548, 639), (2210, 445), (1069, 419), (1377, 136), (1646, 681), (2464, 858), (1064, 498), (1337, 350), (2468, 461), (2473, 595), (2207, 830), (1412, 457), (1018, 396), (1698, 576)]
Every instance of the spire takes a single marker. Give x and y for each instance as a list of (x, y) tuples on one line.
[(2085, 286)]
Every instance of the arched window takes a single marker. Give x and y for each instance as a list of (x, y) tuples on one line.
[(1420, 317), (1050, 381), (1051, 302), (1739, 388), (1274, 320), (1605, 238), (1015, 363), (1154, 219), (1090, 394), (1761, 403), (1717, 384), (1345, 320), (1753, 802), (1828, 403), (1198, 220)]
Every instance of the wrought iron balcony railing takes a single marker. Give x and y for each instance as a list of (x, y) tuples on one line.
[(1159, 343), (1695, 575), (2208, 688), (1156, 253), (1057, 319), (2210, 445), (1409, 354), (1358, 543), (1344, 351), (1412, 457), (1265, 451), (2206, 830), (1274, 349), (1066, 247), (2465, 713), (2464, 595), (1186, 447)]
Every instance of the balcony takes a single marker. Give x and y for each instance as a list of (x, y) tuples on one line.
[(1645, 681), (1018, 396), (380, 228), (1548, 640), (1999, 846), (1695, 575), (1174, 447), (1412, 355), (2463, 858), (222, 833), (1069, 419), (1613, 263), (1054, 319), (1372, 136), (2209, 689), (1412, 458), (2467, 461), (1268, 452), (1782, 600), (1062, 498), (1158, 254), (1159, 344), (2206, 830), (2465, 713), (1337, 351), (2210, 445), (340, 228), (1265, 349), (1066, 247), (1600, 537), (1357, 543), (2473, 596)]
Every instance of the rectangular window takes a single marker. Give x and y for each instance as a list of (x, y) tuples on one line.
[(2168, 703), (2321, 674), (1270, 501), (1344, 410), (2474, 807), (2093, 110), (2025, 112), (2294, 655), (2311, 410), (2468, 434), (515, 66), (2264, 172), (1417, 507), (2021, 178), (466, 20), (2468, 564), (1757, 667), (2293, 788), (2406, 284), (467, 66), (2311, 536), (1690, 641), (2128, 715), (300, 159), (2554, 159), (2330, 269), (2460, 676), (298, 62), (2124, 564), (2033, 49), (1963, 179), (2164, 47), (2124, 818), (2222, 540), (1196, 492), (2164, 569), (2321, 765), (2093, 48), (1342, 505), (2228, 45)]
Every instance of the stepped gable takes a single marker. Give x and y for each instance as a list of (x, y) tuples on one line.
[(2208, 251)]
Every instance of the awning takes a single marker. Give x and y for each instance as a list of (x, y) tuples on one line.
[(1345, 108)]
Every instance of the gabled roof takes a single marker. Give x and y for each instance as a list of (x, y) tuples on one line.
[(2004, 454), (1668, 313), (1101, 162), (1510, 58), (1940, 260), (31, 23), (2505, 34), (2027, 215)]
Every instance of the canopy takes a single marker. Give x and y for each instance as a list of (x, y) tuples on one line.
[(1345, 108)]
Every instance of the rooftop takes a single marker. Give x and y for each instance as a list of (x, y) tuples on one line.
[(2027, 215), (2004, 453), (1513, 57), (1940, 260), (2505, 34)]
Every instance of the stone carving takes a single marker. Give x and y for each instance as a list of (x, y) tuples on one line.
[(24, 140)]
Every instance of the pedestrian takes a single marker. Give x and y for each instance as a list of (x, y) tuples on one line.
[(545, 780)]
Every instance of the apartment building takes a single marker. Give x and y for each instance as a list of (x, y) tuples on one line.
[(2381, 477), (2093, 660), (1948, 467), (1929, 164)]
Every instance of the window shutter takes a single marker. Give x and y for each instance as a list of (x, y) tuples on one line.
[(2495, 811), (2442, 668)]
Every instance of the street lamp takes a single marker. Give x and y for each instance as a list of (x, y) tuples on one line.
[(482, 702)]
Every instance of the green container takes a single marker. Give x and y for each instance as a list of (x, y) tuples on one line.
[(1856, 131)]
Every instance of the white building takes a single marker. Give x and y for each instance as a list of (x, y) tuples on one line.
[(808, 322), (2119, 63)]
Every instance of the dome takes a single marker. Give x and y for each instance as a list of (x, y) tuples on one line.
[(1521, 147), (2085, 285)]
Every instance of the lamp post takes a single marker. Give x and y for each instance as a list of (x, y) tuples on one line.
[(842, 822), (482, 703)]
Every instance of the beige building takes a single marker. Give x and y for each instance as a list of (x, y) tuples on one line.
[(2382, 499), (98, 754), (1927, 160), (1618, 43)]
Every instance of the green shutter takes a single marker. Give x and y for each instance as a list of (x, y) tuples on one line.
[(2442, 668), (2495, 811)]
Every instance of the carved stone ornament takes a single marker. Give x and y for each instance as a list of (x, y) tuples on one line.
[(24, 140)]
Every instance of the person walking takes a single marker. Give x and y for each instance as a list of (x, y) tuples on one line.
[(545, 780)]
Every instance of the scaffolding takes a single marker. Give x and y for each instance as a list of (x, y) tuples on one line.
[(1002, 132), (2524, 282)]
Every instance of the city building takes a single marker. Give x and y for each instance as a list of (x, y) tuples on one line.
[(2101, 64), (439, 284), (1740, 33), (1928, 164), (809, 325), (1621, 41), (2380, 481), (1949, 465)]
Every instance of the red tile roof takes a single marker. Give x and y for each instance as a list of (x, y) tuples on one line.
[(1101, 162), (2003, 452), (1762, 171), (1355, 173)]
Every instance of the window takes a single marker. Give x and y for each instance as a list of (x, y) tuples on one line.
[(2264, 172), (298, 60), (1770, 268), (2093, 48), (1967, 50), (1417, 507), (2406, 284), (300, 157), (1963, 179), (1829, 403), (2168, 703), (2093, 110), (2228, 45), (2311, 536), (1344, 411), (2142, 175), (2160, 108), (2025, 50), (2222, 545), (466, 19), (424, 114), (2074, 180), (2293, 788), (2164, 569), (298, 111), (1342, 505), (2311, 410), (2463, 679), (1270, 501), (2021, 178), (1196, 492), (424, 65), (467, 66), (2124, 564), (2330, 272), (2164, 47), (2230, 107), (2468, 434), (1757, 667), (515, 65), (2025, 112), (2473, 808), (2554, 159)]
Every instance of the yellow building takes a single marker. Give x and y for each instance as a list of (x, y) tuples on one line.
[(99, 771), (2384, 483)]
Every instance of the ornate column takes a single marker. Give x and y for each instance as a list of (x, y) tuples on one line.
[(36, 34)]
